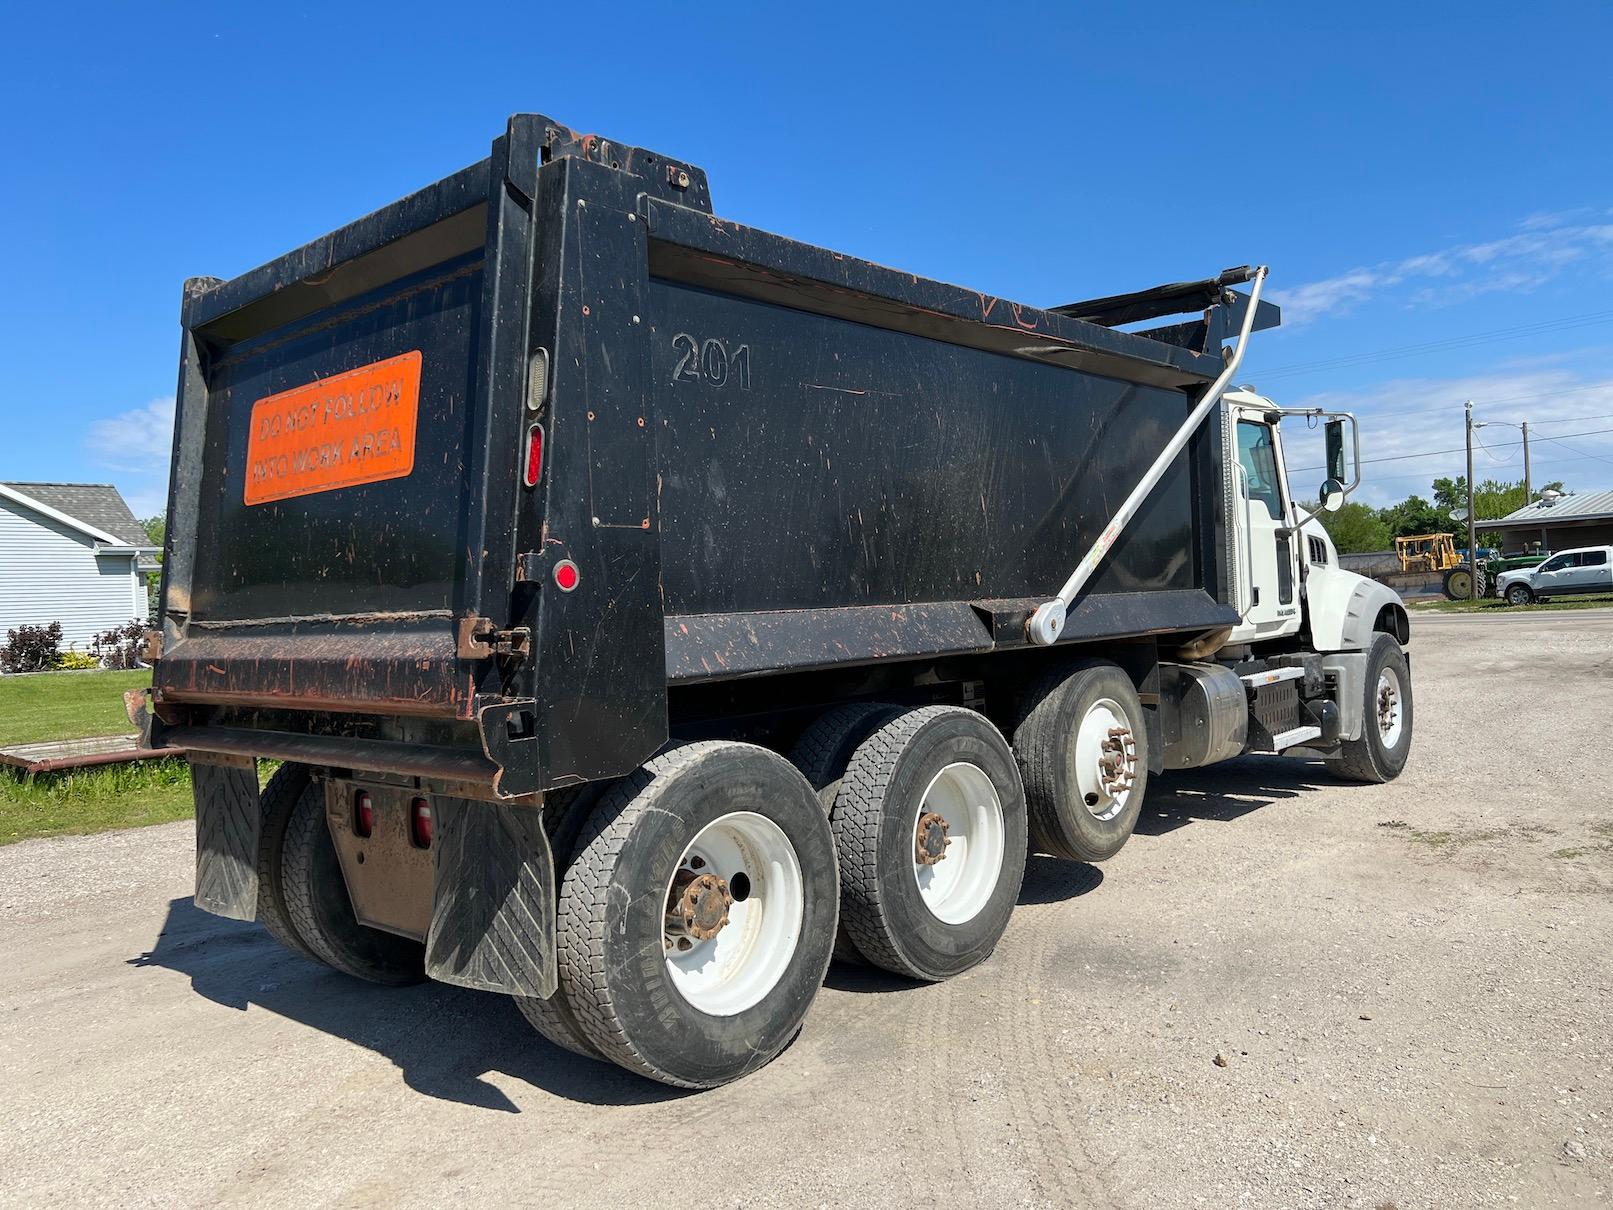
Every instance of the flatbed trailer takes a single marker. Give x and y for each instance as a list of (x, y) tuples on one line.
[(647, 606)]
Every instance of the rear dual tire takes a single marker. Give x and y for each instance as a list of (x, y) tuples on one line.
[(319, 909), (302, 894), (929, 826), (758, 934)]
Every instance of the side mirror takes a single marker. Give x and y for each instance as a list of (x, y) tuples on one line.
[(1332, 491), (1336, 470)]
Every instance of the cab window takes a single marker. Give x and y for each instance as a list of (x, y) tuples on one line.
[(1259, 461), (1557, 563), (1593, 558)]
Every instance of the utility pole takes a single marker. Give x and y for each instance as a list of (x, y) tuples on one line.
[(1472, 551), (1528, 493)]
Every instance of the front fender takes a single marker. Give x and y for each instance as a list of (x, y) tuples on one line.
[(1346, 610)]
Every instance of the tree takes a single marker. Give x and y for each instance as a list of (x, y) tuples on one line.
[(1357, 529), (156, 531), (1414, 515), (1492, 499)]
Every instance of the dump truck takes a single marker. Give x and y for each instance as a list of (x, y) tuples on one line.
[(646, 608)]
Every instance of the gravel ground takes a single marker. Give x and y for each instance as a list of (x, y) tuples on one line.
[(1410, 988)]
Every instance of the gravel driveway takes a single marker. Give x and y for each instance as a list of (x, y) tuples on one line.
[(1410, 988)]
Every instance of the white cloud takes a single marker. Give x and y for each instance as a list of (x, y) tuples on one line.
[(1412, 416), (1543, 249), (137, 440), (136, 444)]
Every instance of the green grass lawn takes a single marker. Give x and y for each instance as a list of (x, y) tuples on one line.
[(75, 705), (93, 799), (1497, 605), (65, 705)]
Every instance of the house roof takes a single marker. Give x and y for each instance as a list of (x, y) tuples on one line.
[(1587, 506), (96, 506)]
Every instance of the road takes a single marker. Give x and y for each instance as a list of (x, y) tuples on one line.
[(1411, 986)]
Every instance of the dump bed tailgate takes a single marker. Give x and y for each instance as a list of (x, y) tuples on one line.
[(331, 482)]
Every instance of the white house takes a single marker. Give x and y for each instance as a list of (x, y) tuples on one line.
[(71, 553)]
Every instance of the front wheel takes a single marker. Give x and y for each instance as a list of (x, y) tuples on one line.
[(1380, 754), (1519, 594)]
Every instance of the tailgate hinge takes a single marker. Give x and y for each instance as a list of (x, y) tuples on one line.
[(479, 639)]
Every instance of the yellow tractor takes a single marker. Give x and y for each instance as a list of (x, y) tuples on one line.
[(1437, 553), (1427, 552)]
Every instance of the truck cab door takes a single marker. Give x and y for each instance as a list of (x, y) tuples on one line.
[(1554, 575), (1592, 573), (1263, 514)]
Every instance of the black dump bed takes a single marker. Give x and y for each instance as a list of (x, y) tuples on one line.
[(755, 456)]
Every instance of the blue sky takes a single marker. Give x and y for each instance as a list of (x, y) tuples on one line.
[(1432, 185)]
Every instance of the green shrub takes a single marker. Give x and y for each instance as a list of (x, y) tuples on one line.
[(76, 661)]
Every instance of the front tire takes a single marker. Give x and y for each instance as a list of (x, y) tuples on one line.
[(1519, 594), (1380, 754), (697, 918)]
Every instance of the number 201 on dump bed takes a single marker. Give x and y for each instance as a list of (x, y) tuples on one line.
[(712, 360)]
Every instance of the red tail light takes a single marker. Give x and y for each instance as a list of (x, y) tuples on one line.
[(420, 823), (363, 814), (534, 454)]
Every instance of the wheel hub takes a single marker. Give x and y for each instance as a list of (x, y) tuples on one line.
[(1386, 708), (931, 840), (697, 908), (1117, 760)]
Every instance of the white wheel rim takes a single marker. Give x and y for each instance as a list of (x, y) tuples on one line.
[(732, 971), (1105, 794), (957, 887), (1390, 706)]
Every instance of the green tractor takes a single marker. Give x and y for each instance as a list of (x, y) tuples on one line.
[(1458, 584)]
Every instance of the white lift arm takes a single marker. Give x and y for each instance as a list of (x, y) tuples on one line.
[(1047, 623)]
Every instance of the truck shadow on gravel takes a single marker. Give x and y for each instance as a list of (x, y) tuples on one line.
[(443, 1040), (1225, 792)]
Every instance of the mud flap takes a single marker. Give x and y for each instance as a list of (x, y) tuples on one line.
[(493, 899), (228, 821)]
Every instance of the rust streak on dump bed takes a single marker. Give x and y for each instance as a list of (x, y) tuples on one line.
[(402, 668)]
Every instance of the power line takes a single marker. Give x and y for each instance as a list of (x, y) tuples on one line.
[(1546, 458), (1458, 450), (1581, 453)]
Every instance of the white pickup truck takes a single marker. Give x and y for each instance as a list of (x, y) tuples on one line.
[(1569, 572)]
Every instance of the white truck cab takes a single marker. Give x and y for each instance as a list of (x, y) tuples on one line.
[(1569, 572), (1298, 607)]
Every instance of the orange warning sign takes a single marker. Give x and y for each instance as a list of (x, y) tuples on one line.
[(356, 427)]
